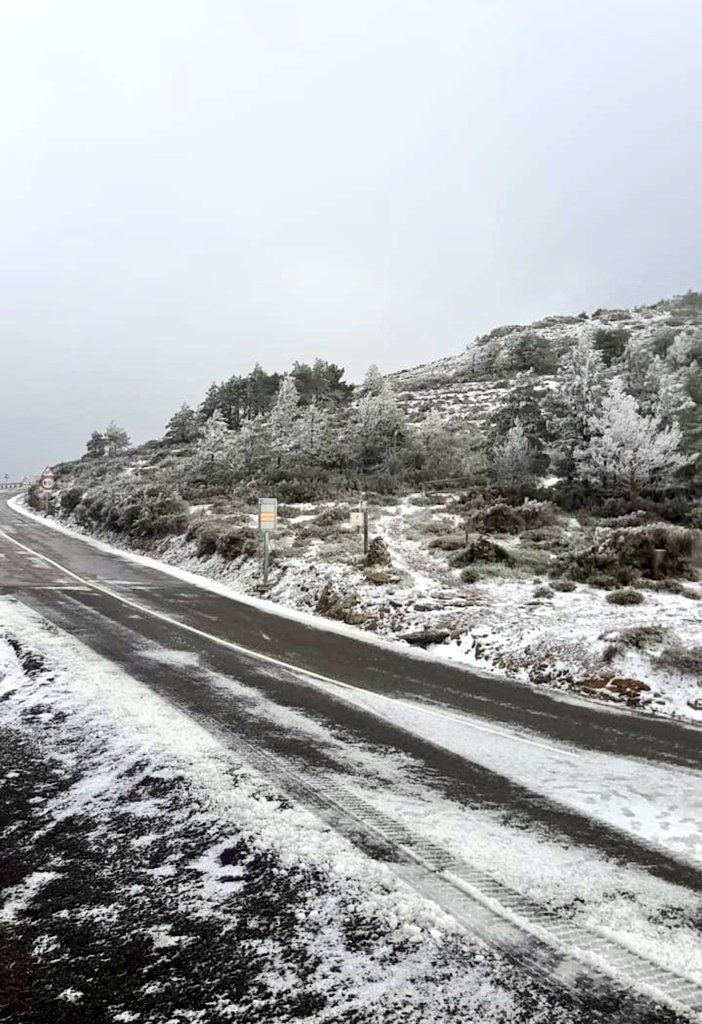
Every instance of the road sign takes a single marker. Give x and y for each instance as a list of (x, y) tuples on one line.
[(267, 523), (267, 514), (46, 481), (356, 518)]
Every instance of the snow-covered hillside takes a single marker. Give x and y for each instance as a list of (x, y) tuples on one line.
[(486, 554), (471, 384)]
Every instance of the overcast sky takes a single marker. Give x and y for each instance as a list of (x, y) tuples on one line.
[(191, 187)]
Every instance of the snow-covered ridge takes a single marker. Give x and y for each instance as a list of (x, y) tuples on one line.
[(458, 386)]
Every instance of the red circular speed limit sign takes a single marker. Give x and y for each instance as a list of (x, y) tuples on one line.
[(46, 481)]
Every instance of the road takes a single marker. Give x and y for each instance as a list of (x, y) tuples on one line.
[(122, 609), (115, 606)]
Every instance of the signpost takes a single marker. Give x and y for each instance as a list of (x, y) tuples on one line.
[(267, 523), (46, 486), (358, 517)]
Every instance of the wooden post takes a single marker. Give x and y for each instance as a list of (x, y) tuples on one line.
[(365, 528), (657, 560)]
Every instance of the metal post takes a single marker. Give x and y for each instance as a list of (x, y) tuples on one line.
[(265, 558), (365, 528)]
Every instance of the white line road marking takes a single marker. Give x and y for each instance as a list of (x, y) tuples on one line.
[(295, 669)]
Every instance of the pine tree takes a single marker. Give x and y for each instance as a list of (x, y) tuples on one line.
[(315, 438), (627, 449), (217, 441), (182, 426), (441, 447), (96, 446), (580, 387), (251, 453), (373, 381), (116, 439), (381, 423), (322, 383), (512, 459), (524, 401), (283, 415)]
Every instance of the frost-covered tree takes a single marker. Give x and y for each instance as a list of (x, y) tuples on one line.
[(380, 423), (116, 439), (580, 387), (441, 448), (251, 449), (183, 426), (512, 459), (628, 449), (96, 446), (217, 441), (283, 415), (685, 350), (315, 437), (373, 381), (662, 392)]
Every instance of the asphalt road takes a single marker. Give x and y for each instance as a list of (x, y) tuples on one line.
[(118, 608)]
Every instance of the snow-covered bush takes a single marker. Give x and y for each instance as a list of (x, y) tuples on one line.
[(70, 499), (621, 556), (625, 596), (479, 550)]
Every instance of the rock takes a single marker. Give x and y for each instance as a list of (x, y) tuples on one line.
[(616, 688), (378, 553), (341, 607), (426, 606), (380, 576), (425, 637)]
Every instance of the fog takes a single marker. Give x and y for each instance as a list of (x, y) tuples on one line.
[(189, 188)]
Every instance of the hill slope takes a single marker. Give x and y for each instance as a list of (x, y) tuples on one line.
[(525, 565)]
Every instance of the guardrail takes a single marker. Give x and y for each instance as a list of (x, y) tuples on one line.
[(11, 487)]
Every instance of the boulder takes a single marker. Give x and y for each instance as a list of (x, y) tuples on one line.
[(425, 637)]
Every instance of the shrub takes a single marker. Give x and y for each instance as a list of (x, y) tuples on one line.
[(235, 542), (641, 637), (469, 575), (33, 497), (625, 596), (543, 592), (160, 514), (626, 553), (563, 586), (332, 516), (70, 500), (169, 524), (497, 518), (450, 542), (128, 516), (205, 536), (479, 550), (438, 527), (538, 514), (680, 658)]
